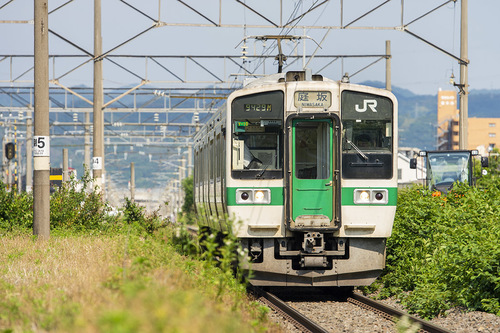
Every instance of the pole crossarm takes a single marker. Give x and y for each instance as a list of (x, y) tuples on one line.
[(313, 7), (139, 11), (125, 93), (256, 12), (365, 14), (57, 83), (460, 60), (197, 12)]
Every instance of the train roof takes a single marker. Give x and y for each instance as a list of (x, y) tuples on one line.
[(282, 77)]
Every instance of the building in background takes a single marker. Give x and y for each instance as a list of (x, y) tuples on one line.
[(407, 176), (447, 120), (483, 133)]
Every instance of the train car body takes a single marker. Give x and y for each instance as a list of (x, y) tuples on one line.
[(305, 167)]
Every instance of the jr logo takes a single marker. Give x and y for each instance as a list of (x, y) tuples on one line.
[(367, 103)]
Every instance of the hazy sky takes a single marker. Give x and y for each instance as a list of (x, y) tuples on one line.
[(415, 65)]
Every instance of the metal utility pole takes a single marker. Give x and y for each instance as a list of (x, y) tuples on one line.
[(464, 81), (388, 65), (98, 156), (41, 141)]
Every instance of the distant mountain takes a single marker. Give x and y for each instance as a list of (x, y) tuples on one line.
[(418, 113), (484, 103), (400, 92)]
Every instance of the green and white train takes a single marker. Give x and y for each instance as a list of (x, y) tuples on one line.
[(307, 169)]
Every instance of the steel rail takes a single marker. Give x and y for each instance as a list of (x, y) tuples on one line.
[(392, 313), (302, 322)]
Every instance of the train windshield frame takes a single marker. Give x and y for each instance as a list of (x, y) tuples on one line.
[(367, 136), (257, 136), (445, 168)]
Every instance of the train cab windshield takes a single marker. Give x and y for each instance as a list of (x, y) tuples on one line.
[(367, 145), (257, 151), (257, 139)]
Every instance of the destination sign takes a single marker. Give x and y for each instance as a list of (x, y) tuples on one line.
[(258, 107), (313, 99)]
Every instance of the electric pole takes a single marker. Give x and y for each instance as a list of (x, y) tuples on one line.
[(388, 65), (464, 81), (41, 140), (132, 182), (98, 156), (29, 153)]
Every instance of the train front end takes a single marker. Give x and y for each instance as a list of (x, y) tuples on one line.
[(312, 179)]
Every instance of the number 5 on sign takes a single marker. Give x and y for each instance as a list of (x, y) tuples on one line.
[(41, 146), (96, 163)]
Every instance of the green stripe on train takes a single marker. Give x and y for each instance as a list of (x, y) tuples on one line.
[(348, 196), (276, 196)]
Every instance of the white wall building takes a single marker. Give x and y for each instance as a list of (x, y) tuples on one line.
[(407, 176)]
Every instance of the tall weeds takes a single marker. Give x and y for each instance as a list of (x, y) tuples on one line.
[(125, 273)]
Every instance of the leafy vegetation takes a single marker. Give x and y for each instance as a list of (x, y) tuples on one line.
[(16, 209), (444, 249), (188, 205), (135, 272), (72, 206)]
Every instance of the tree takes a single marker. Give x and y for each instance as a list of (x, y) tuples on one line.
[(188, 206)]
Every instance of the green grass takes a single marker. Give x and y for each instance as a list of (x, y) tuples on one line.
[(117, 283), (131, 273)]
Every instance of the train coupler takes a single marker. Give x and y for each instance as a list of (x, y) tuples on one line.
[(314, 242)]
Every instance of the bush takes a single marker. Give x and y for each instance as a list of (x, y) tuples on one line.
[(16, 209), (444, 250), (135, 215), (188, 213), (73, 206)]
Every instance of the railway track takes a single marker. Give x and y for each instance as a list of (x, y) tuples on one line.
[(299, 320), (393, 314), (305, 324)]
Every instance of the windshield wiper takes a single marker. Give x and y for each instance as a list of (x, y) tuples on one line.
[(267, 166), (357, 150), (262, 172)]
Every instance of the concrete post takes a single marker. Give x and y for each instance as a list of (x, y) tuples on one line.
[(388, 65), (29, 153), (463, 140), (41, 142), (132, 181), (65, 173), (97, 161)]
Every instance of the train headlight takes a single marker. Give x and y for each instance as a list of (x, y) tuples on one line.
[(253, 196), (262, 196), (371, 196), (361, 196)]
